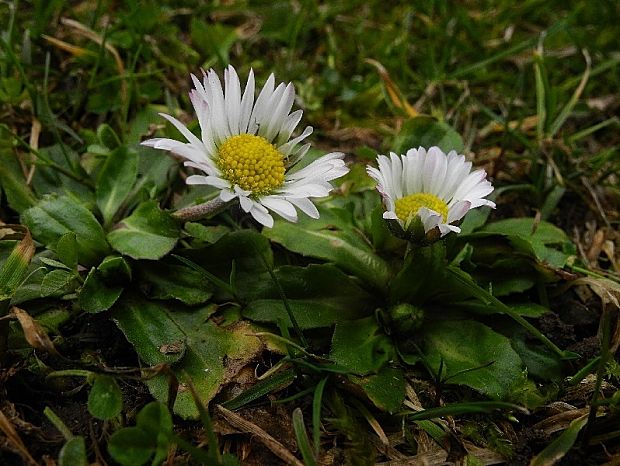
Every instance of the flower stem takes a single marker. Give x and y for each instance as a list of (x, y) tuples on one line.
[(204, 210)]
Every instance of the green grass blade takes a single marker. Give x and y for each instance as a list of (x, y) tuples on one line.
[(261, 389), (302, 438), (561, 445), (568, 108), (465, 408), (541, 94), (317, 403)]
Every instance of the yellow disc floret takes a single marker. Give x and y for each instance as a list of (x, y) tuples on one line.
[(252, 163), (409, 205)]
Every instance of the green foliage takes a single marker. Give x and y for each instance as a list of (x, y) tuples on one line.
[(333, 238), (151, 437), (96, 295), (105, 400), (73, 453), (194, 346), (386, 388), (472, 354), (318, 295), (115, 181), (359, 346), (55, 216), (148, 233)]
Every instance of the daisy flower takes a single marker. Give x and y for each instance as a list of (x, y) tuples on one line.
[(246, 149), (438, 189)]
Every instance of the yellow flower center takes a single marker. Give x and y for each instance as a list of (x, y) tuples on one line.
[(252, 163), (409, 205)]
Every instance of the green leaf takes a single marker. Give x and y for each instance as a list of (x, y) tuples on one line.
[(196, 347), (241, 258), (386, 389), (209, 234), (50, 180), (96, 295), (53, 217), (319, 295), (426, 131), (107, 137), (56, 281), (53, 263), (148, 233), (115, 181), (361, 346), (168, 281), (156, 170), (131, 446), (73, 453), (531, 238), (540, 362), (149, 328), (105, 400), (332, 238), (115, 270), (13, 182), (472, 354), (66, 250), (155, 419), (423, 268)]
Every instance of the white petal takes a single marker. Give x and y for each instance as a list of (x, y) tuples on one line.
[(288, 127), (397, 175), (259, 107), (321, 168), (247, 102), (430, 218), (456, 171), (280, 112), (458, 210), (214, 181), (305, 205), (183, 130), (232, 99), (226, 195), (416, 170), (444, 229), (160, 143), (386, 171), (439, 172), (468, 184), (298, 189), (285, 149), (280, 206), (246, 203), (430, 161), (219, 121), (261, 215)]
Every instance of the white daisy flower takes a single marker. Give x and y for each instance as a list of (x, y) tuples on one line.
[(438, 188), (246, 149)]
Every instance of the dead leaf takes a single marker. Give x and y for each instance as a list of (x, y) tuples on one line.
[(394, 93), (35, 335), (15, 440)]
